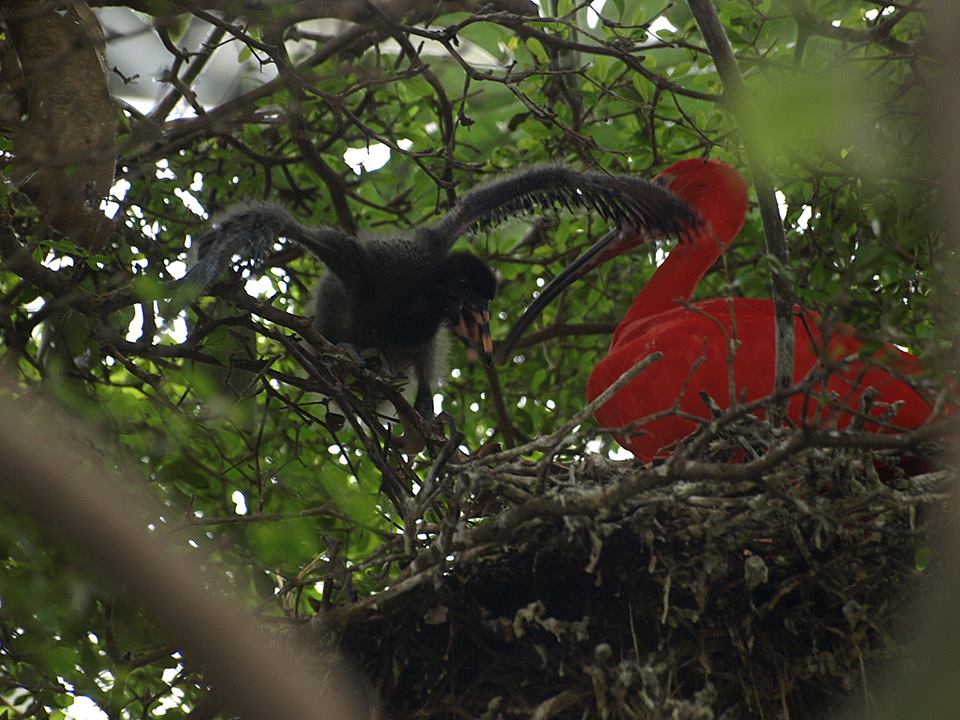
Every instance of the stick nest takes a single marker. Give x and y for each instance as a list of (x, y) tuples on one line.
[(591, 588)]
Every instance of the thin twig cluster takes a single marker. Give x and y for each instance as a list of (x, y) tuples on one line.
[(646, 592)]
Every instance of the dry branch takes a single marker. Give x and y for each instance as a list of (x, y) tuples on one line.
[(621, 593)]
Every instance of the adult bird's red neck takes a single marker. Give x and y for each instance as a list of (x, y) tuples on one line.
[(719, 195)]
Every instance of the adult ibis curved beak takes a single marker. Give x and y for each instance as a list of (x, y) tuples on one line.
[(610, 245), (613, 243)]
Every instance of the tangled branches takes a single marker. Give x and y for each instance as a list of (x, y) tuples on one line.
[(548, 590)]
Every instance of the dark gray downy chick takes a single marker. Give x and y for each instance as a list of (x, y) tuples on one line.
[(391, 294)]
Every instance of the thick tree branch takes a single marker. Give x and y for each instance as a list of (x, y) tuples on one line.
[(773, 231), (289, 13), (70, 491)]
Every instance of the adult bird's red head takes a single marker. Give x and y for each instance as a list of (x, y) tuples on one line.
[(712, 188), (665, 402), (719, 195)]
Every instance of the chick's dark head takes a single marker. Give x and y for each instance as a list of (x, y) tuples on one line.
[(469, 280)]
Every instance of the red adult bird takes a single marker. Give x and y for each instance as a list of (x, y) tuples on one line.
[(694, 338)]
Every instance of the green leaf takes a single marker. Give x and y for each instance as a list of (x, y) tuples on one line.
[(923, 558)]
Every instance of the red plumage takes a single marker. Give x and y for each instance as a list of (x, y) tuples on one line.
[(659, 320)]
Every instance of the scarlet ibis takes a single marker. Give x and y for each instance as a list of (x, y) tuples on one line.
[(391, 295), (694, 338)]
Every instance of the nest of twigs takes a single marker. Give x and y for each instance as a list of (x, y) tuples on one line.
[(722, 588)]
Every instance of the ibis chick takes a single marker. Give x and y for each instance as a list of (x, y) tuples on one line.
[(391, 295)]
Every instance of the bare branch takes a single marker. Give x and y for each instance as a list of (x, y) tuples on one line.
[(774, 235)]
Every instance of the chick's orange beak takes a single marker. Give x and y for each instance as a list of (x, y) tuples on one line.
[(473, 329)]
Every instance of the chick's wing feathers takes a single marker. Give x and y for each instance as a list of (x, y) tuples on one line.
[(250, 232), (622, 200)]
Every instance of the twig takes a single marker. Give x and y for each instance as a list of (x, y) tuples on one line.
[(564, 330), (166, 104), (558, 435), (507, 430)]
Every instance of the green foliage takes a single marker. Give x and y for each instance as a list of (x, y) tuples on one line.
[(213, 432)]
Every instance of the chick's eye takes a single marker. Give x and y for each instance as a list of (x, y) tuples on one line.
[(661, 180)]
